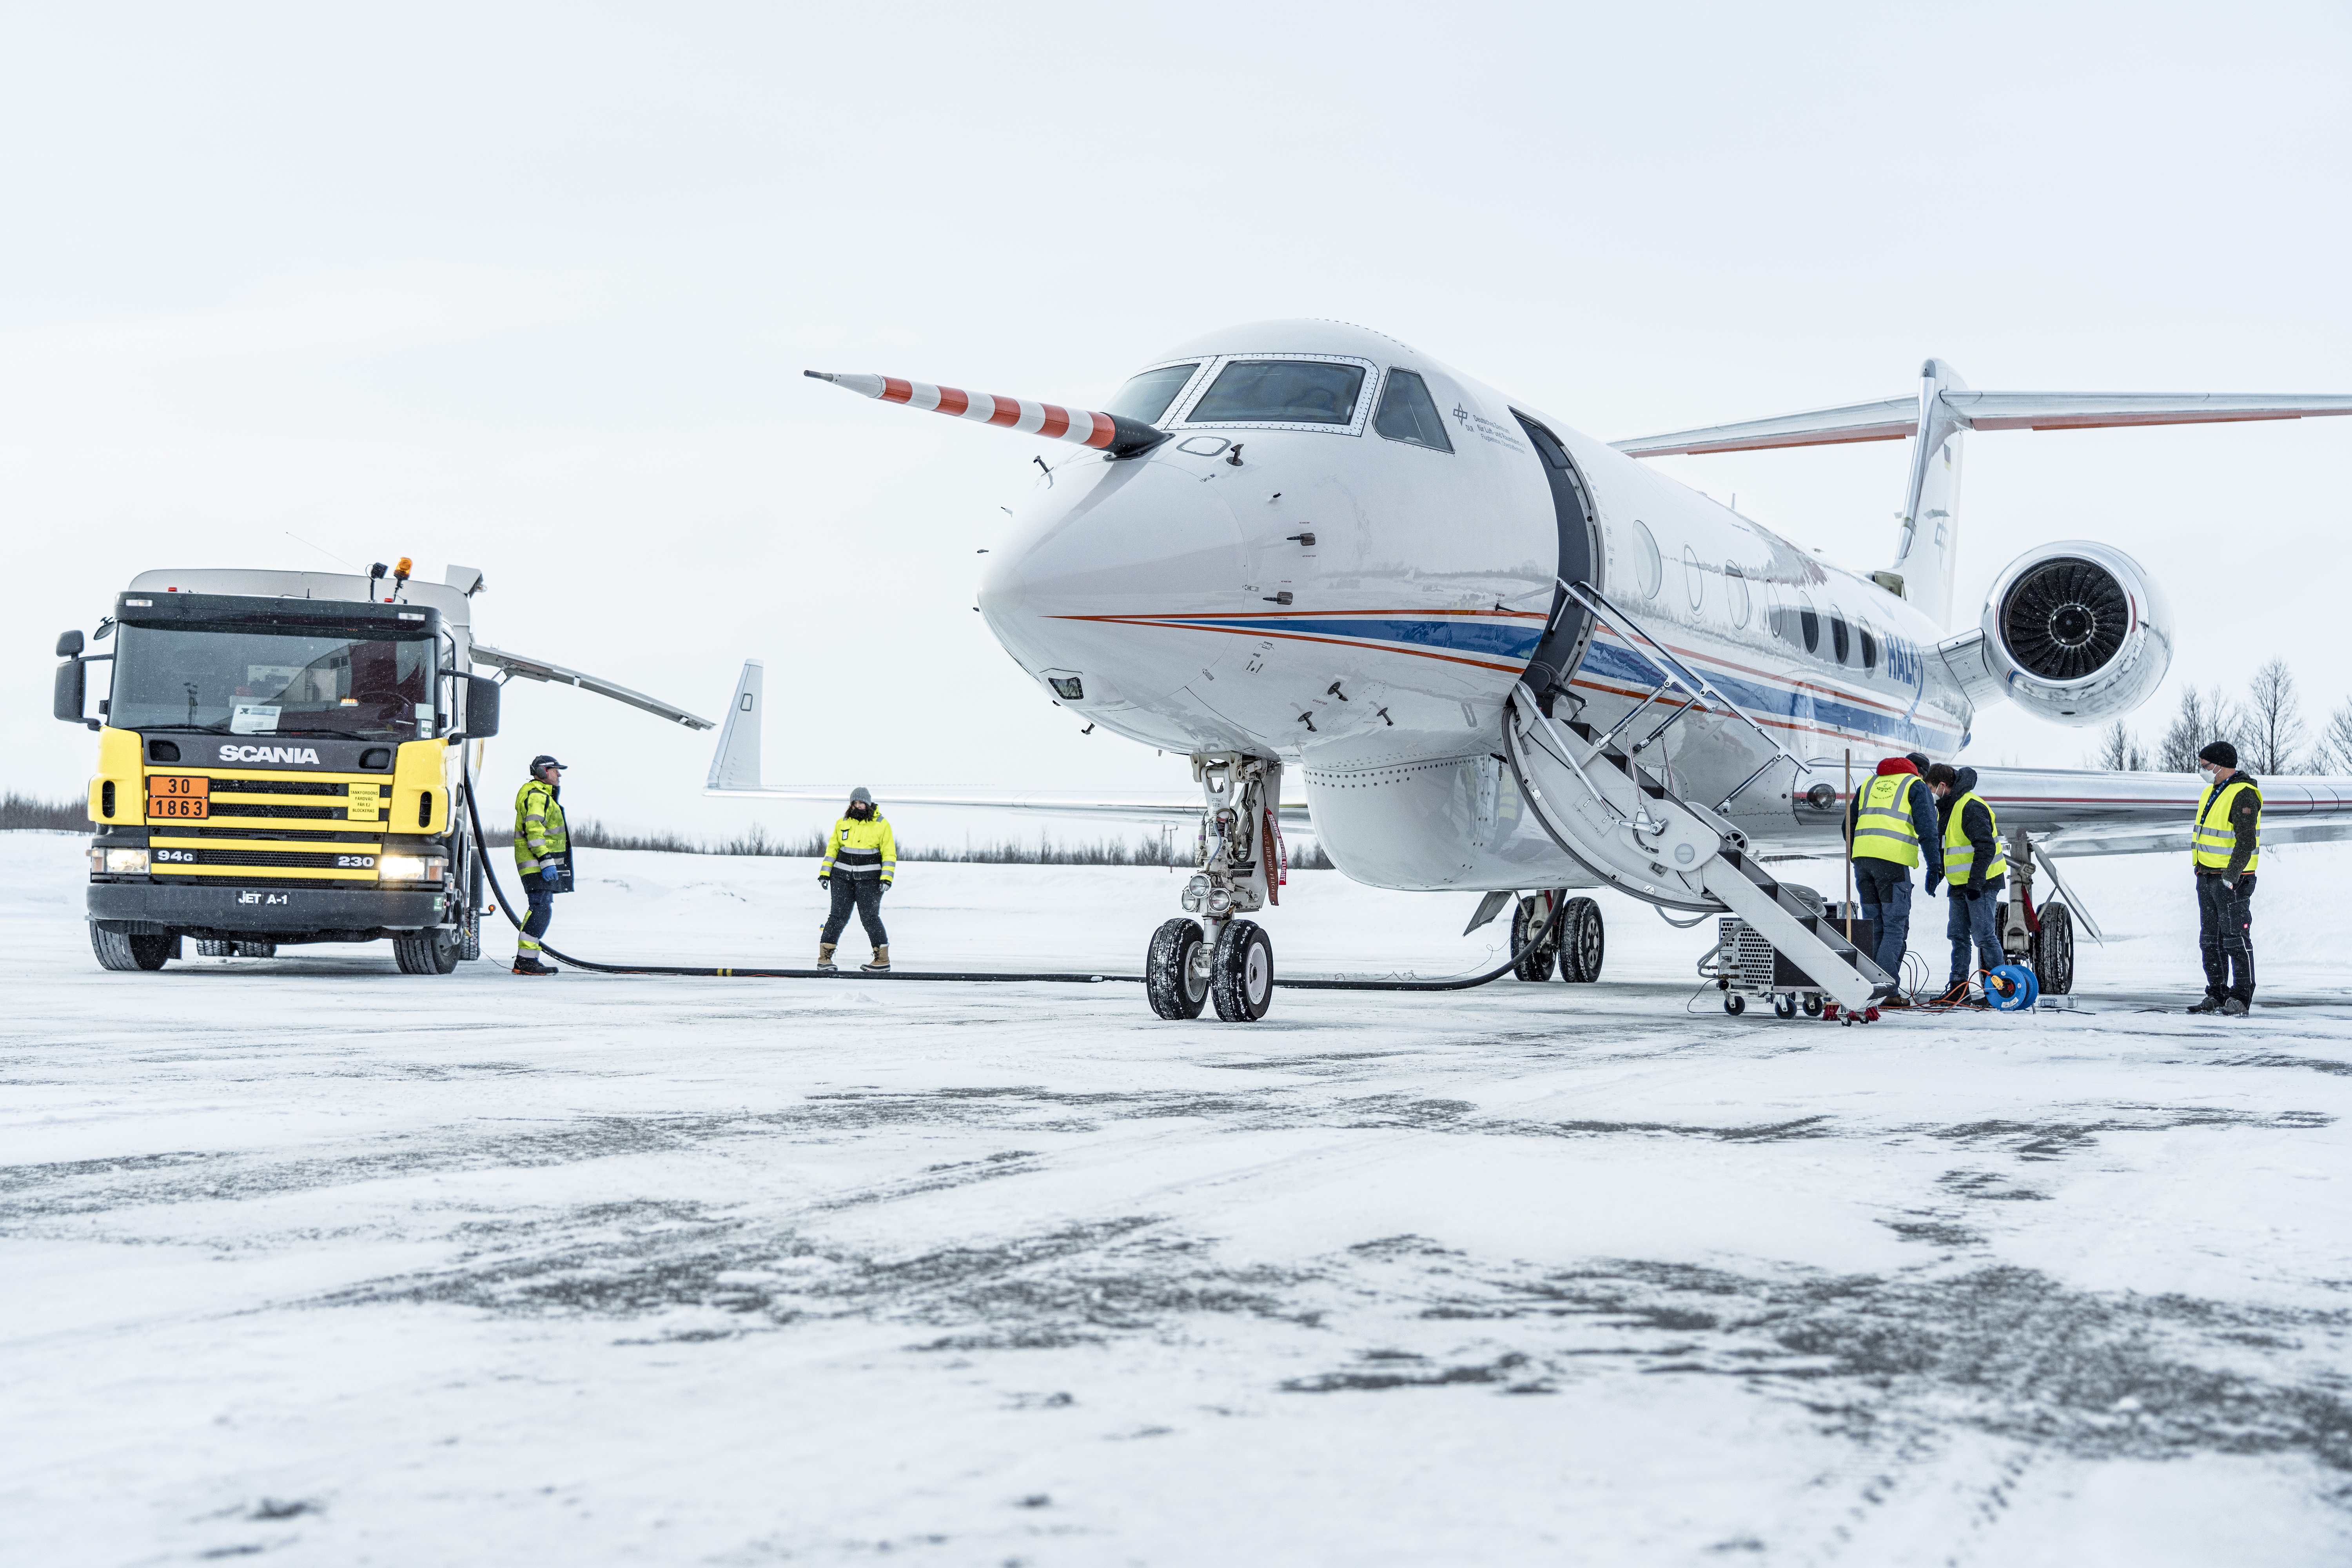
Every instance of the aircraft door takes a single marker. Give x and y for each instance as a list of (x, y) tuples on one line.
[(1570, 628)]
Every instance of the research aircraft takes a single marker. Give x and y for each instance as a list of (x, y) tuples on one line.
[(1501, 655)]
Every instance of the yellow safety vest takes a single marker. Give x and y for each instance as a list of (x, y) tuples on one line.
[(2216, 839), (1960, 856), (1884, 830)]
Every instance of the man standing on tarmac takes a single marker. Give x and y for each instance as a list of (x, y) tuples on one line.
[(543, 856), (2227, 849), (1975, 869), (860, 859), (1890, 827)]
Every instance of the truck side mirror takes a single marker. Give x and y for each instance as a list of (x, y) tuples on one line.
[(482, 694), (72, 689), (68, 645)]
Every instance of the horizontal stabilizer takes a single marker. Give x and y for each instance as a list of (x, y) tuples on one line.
[(515, 664), (1893, 418)]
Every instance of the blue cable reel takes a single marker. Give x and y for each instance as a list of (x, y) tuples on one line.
[(2011, 988)]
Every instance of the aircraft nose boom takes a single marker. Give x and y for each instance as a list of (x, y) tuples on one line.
[(1115, 434)]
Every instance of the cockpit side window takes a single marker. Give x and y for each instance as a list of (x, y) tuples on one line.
[(1280, 392), (1407, 413), (1146, 397)]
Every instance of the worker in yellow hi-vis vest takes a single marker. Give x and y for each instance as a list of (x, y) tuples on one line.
[(861, 861), (543, 847), (1976, 869), (1890, 827), (2227, 849)]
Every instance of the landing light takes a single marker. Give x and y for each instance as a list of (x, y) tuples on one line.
[(1196, 892)]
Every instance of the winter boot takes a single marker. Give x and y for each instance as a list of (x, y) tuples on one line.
[(529, 964), (881, 965), (825, 956), (2211, 1005), (2233, 1008)]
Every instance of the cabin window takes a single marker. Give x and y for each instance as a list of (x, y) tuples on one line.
[(1809, 625), (1735, 590), (1408, 414), (1841, 638), (1280, 392), (1694, 577), (1146, 397), (1646, 564), (1869, 648)]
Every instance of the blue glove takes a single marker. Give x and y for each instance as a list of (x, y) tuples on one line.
[(553, 876)]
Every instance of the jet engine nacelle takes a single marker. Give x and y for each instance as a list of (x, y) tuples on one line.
[(2077, 632)]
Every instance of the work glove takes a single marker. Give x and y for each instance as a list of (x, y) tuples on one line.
[(1972, 893), (885, 887), (551, 875), (1934, 877), (825, 882), (2229, 886)]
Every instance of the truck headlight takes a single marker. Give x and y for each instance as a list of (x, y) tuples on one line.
[(119, 862), (410, 867)]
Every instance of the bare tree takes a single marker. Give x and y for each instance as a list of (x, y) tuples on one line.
[(2332, 753), (2202, 718), (2119, 749), (2273, 721)]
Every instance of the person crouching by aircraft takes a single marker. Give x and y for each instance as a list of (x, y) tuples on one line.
[(1975, 870), (542, 847), (1891, 827), (2226, 849), (860, 859)]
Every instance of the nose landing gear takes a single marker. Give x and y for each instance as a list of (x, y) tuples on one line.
[(1231, 962)]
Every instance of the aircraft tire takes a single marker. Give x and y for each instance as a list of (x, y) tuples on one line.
[(1172, 979), (2053, 950), (1241, 973), (1534, 961), (1584, 941)]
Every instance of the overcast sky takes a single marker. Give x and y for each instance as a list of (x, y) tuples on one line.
[(530, 287)]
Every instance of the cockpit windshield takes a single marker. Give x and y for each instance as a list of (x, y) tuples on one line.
[(1146, 397), (358, 682), (1280, 392)]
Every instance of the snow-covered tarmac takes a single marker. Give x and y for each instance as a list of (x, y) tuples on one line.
[(308, 1260)]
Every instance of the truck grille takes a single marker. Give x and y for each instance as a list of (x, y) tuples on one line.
[(319, 813), (360, 833), (280, 786), (266, 857)]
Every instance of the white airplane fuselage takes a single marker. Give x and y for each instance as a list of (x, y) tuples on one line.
[(1420, 582)]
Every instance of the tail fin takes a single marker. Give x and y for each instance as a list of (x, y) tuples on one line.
[(1928, 550), (736, 764)]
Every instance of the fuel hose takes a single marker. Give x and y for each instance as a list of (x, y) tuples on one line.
[(507, 907)]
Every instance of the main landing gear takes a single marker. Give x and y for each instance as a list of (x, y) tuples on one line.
[(1577, 943), (1222, 957)]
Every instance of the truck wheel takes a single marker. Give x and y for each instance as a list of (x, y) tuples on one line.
[(116, 951), (256, 949), (215, 949), (426, 952)]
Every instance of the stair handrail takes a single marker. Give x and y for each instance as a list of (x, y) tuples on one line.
[(1637, 636)]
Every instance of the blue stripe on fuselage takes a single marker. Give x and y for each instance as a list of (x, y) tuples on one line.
[(1609, 661), (1439, 632)]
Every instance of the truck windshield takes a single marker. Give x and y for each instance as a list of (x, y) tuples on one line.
[(256, 680)]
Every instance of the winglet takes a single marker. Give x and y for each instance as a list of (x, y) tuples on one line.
[(735, 765)]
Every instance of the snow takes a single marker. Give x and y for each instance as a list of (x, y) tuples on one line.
[(313, 1260)]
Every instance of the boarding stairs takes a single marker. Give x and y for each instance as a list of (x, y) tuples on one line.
[(1621, 821)]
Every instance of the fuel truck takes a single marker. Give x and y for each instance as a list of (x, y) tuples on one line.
[(280, 759)]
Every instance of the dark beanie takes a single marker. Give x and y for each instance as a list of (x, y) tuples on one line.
[(2220, 753)]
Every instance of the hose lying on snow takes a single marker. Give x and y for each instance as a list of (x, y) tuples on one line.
[(507, 907)]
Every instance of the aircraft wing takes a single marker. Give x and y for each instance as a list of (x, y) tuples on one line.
[(1895, 418), (2077, 812), (735, 771), (541, 669)]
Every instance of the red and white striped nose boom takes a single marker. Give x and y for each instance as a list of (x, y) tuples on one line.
[(1113, 434)]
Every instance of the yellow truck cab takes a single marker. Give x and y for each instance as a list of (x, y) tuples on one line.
[(279, 762)]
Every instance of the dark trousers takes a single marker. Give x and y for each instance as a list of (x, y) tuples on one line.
[(2225, 936), (864, 894), (542, 909), (1976, 924), (1883, 889)]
